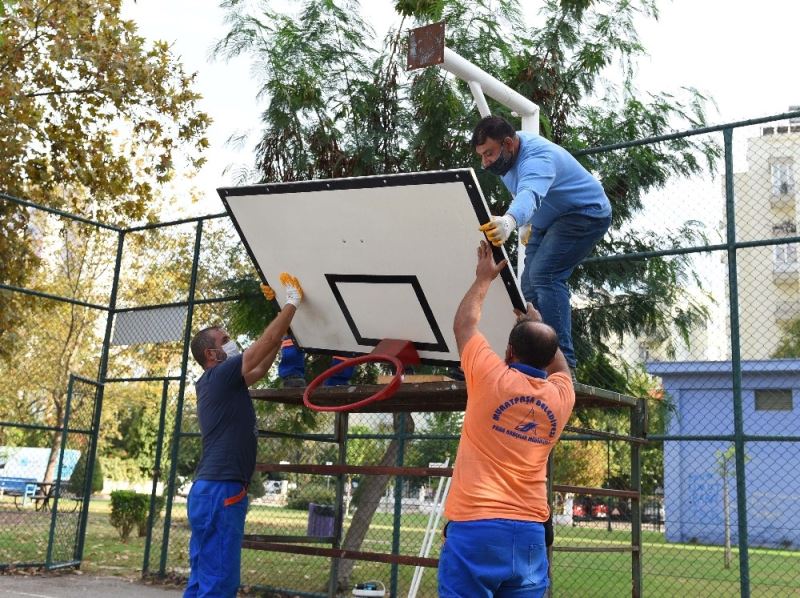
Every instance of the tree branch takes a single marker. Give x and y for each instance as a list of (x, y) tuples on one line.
[(62, 92)]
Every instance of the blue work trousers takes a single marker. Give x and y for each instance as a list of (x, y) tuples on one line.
[(499, 558), (217, 510), (550, 257)]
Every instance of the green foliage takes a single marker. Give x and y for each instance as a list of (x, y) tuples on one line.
[(725, 462), (120, 469), (364, 451), (256, 488), (158, 508), (93, 120), (131, 439), (421, 9), (300, 497), (74, 71), (189, 454), (128, 509), (423, 452), (789, 343), (77, 480), (340, 104), (250, 313)]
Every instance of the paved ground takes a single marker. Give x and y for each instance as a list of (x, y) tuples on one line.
[(71, 585)]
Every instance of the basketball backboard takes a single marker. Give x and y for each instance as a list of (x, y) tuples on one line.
[(378, 257)]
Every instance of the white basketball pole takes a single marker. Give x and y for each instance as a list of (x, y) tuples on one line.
[(481, 82)]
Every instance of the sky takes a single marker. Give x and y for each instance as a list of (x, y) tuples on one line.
[(740, 53)]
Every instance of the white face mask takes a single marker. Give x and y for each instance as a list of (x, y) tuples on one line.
[(231, 349)]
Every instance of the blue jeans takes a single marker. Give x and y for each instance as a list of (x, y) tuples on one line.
[(215, 550), (550, 257), (489, 558)]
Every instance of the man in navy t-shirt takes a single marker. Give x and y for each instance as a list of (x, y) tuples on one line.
[(559, 207), (218, 499)]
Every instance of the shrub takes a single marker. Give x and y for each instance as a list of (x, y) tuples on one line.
[(299, 497), (256, 488), (78, 477), (127, 509), (159, 506)]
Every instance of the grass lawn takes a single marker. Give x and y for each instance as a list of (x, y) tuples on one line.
[(669, 569)]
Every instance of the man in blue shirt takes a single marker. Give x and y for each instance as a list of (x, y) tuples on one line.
[(217, 502), (559, 207)]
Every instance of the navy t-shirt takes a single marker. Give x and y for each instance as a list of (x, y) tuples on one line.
[(227, 424)]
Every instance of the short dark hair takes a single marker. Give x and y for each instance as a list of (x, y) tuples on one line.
[(491, 127), (202, 341), (533, 343)]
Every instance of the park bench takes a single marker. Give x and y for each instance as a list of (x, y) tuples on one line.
[(25, 487), (27, 491)]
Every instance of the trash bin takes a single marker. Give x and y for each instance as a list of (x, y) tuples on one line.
[(320, 520), (366, 589)]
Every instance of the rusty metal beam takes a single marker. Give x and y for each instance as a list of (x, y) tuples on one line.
[(408, 472), (423, 397), (341, 553)]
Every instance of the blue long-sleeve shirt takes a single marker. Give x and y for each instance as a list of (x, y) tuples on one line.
[(547, 182)]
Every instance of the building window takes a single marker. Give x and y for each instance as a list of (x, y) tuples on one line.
[(774, 399), (785, 255), (782, 178)]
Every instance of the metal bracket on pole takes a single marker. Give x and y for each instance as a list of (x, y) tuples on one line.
[(426, 48)]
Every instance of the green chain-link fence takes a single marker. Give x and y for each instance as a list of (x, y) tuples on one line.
[(714, 292), (52, 337)]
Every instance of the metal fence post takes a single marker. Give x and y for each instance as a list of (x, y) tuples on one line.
[(341, 424), (176, 436), (398, 501), (98, 403), (156, 477), (638, 429), (736, 368), (57, 483)]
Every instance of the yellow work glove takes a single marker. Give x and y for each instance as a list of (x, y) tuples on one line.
[(292, 288), (269, 294), (499, 228)]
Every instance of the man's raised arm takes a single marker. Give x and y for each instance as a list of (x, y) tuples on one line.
[(468, 314)]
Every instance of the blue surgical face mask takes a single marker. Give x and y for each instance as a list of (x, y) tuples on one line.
[(502, 164)]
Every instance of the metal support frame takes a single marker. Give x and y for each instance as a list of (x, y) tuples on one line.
[(588, 397)]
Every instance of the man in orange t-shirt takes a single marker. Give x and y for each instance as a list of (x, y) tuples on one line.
[(516, 410)]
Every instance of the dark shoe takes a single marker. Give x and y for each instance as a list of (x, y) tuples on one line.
[(293, 382)]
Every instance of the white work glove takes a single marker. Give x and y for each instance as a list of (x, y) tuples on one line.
[(292, 288), (499, 228)]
